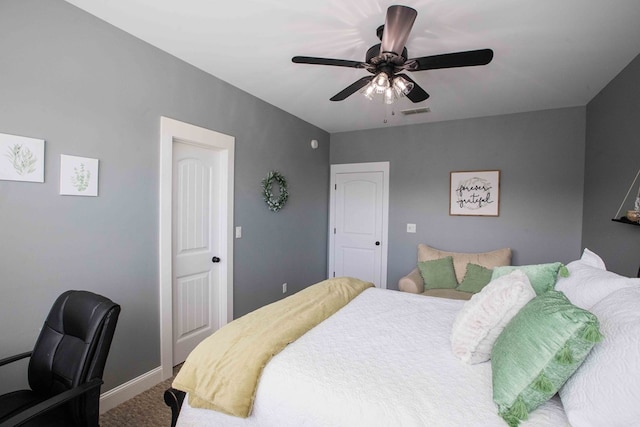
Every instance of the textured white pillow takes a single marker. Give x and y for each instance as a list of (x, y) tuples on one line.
[(586, 284), (605, 390), (485, 315)]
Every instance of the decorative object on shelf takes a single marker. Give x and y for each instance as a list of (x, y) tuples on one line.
[(474, 193), (78, 176), (21, 158), (275, 203), (632, 216)]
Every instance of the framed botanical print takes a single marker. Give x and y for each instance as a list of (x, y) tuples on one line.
[(78, 176), (21, 158)]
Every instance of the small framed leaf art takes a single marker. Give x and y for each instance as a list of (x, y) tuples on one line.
[(21, 158), (78, 176)]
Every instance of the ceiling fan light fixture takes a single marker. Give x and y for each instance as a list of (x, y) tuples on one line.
[(368, 91), (390, 95), (402, 86), (381, 82), (391, 90)]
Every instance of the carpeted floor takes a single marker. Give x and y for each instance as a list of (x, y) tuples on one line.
[(145, 410)]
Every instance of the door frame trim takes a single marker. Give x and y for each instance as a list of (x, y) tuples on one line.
[(173, 130), (355, 168)]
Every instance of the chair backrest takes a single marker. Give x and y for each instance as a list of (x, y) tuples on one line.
[(74, 342)]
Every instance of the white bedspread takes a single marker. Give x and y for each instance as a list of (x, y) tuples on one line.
[(383, 360)]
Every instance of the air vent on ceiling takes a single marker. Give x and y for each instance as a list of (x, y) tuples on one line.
[(412, 111)]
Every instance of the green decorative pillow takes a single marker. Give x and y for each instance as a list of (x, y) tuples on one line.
[(542, 276), (476, 278), (538, 351), (438, 273)]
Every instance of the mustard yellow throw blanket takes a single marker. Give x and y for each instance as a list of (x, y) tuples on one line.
[(222, 372)]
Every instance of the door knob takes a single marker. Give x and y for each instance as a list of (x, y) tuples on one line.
[(377, 243), (215, 259)]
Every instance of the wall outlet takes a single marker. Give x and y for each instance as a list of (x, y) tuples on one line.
[(284, 288), (411, 228), (238, 232)]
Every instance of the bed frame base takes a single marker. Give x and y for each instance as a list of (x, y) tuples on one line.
[(174, 398)]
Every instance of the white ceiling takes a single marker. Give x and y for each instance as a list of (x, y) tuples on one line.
[(547, 53)]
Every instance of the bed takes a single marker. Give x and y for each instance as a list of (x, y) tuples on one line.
[(385, 359)]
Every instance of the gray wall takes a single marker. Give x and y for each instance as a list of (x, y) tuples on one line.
[(612, 161), (541, 159), (92, 90)]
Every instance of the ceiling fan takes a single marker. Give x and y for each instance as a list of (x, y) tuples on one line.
[(387, 60)]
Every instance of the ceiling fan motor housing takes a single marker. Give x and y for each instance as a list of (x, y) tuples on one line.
[(374, 57)]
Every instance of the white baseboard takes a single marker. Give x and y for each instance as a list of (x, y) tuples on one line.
[(112, 398)]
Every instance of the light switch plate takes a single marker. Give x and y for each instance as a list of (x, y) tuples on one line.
[(238, 232)]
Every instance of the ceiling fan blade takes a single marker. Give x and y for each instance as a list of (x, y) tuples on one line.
[(328, 61), (351, 89), (417, 94), (450, 60), (397, 27)]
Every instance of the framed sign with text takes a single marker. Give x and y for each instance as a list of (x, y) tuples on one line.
[(475, 193)]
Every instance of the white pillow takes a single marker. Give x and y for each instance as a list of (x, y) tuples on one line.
[(586, 284), (605, 390), (592, 259), (485, 315)]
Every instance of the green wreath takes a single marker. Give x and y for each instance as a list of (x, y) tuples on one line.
[(275, 204)]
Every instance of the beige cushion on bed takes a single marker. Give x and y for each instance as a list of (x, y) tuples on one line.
[(497, 258)]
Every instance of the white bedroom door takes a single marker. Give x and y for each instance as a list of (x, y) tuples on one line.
[(196, 246), (358, 233)]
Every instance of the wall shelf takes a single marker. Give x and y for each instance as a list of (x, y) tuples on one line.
[(624, 220)]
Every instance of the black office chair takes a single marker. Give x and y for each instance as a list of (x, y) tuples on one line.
[(66, 365)]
